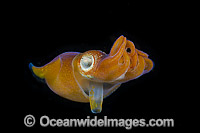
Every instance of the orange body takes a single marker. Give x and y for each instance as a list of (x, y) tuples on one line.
[(76, 76), (59, 77)]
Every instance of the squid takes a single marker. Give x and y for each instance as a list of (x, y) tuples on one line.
[(91, 76)]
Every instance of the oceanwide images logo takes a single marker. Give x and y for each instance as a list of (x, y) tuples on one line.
[(46, 121)]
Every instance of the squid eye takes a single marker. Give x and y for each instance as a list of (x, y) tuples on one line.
[(87, 62)]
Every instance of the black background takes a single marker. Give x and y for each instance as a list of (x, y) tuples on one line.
[(48, 29)]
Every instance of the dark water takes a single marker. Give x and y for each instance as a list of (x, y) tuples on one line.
[(48, 32)]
